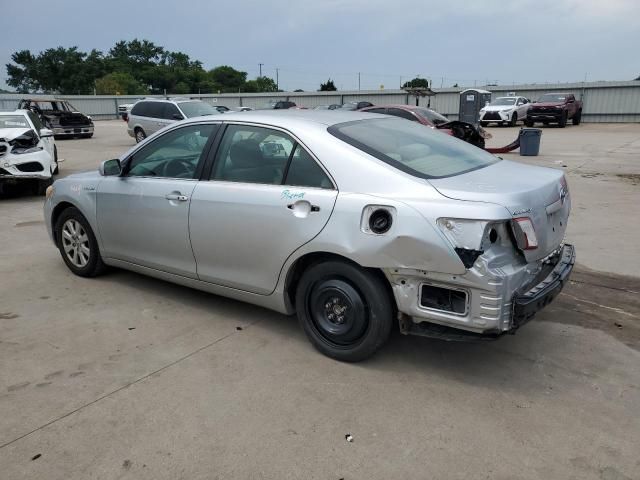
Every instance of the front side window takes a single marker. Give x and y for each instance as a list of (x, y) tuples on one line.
[(412, 148), (175, 154), (253, 155), (171, 112)]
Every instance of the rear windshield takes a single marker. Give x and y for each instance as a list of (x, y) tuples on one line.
[(504, 101), (433, 117), (14, 121), (412, 147), (197, 109)]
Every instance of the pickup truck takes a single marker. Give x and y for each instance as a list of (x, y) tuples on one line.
[(555, 108)]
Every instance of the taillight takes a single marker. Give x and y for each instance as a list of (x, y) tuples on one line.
[(525, 233)]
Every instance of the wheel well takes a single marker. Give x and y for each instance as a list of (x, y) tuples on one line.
[(306, 261), (57, 211)]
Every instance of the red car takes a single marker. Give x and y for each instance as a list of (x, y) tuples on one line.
[(462, 130)]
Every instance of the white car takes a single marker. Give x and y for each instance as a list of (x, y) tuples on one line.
[(505, 110), (27, 150)]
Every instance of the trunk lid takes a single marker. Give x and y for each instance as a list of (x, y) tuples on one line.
[(525, 191)]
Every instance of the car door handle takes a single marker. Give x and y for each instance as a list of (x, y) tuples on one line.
[(314, 208), (176, 197)]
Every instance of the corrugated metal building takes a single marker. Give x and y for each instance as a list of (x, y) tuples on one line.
[(603, 101)]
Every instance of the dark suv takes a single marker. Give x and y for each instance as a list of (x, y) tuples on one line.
[(59, 116)]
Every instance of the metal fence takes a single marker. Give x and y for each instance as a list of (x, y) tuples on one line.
[(602, 101)]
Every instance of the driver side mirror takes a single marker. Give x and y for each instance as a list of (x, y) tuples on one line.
[(45, 132), (110, 168)]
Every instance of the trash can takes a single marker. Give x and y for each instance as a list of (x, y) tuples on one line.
[(530, 141)]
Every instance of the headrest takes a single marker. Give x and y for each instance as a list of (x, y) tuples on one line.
[(245, 154)]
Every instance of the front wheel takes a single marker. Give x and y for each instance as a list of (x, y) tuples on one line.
[(577, 118), (345, 311), (140, 135), (77, 244), (528, 123), (563, 120), (514, 119)]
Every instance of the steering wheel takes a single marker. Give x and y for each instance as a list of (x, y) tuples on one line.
[(176, 168)]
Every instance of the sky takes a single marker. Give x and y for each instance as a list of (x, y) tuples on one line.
[(386, 42)]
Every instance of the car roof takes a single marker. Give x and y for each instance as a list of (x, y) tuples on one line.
[(43, 99), (174, 100), (291, 118)]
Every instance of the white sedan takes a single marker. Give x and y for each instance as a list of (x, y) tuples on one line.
[(27, 150), (505, 110)]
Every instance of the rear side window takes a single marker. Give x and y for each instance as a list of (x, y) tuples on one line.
[(412, 147), (141, 109), (253, 155), (305, 172)]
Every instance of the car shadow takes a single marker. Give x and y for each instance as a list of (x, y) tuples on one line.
[(504, 363)]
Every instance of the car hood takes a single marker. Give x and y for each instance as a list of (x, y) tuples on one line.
[(498, 108), (11, 133), (548, 104), (525, 191)]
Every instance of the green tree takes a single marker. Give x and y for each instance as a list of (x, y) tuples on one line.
[(227, 79), (119, 83), (416, 83), (23, 75), (298, 90), (260, 84), (328, 87)]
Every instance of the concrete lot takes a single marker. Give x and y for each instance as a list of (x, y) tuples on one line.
[(129, 377)]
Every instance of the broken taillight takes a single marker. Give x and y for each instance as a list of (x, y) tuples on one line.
[(525, 233)]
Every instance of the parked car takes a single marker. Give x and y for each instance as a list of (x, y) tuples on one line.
[(222, 108), (278, 105), (27, 150), (462, 130), (505, 111), (60, 116), (555, 108), (243, 109), (150, 115), (124, 109), (355, 105), (327, 107), (351, 220)]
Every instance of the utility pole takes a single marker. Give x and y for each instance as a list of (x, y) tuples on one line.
[(277, 87), (260, 67), (358, 80)]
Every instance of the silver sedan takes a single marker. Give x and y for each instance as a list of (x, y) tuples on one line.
[(353, 221)]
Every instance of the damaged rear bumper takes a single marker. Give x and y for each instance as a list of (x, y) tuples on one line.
[(488, 302)]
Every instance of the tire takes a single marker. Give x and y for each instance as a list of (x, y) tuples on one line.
[(528, 123), (563, 120), (41, 186), (55, 159), (514, 119), (480, 143), (139, 134), (345, 310), (577, 118), (73, 232), (484, 124)]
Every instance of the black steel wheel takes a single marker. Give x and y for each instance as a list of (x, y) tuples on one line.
[(577, 118), (563, 120), (345, 311)]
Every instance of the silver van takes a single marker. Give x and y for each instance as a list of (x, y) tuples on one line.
[(150, 115)]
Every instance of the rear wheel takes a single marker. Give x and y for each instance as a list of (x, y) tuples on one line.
[(563, 120), (514, 119), (140, 135), (577, 118), (345, 310), (77, 244)]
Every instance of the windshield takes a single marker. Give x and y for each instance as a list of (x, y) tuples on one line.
[(504, 101), (552, 97), (433, 117), (412, 148), (14, 121), (197, 109)]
